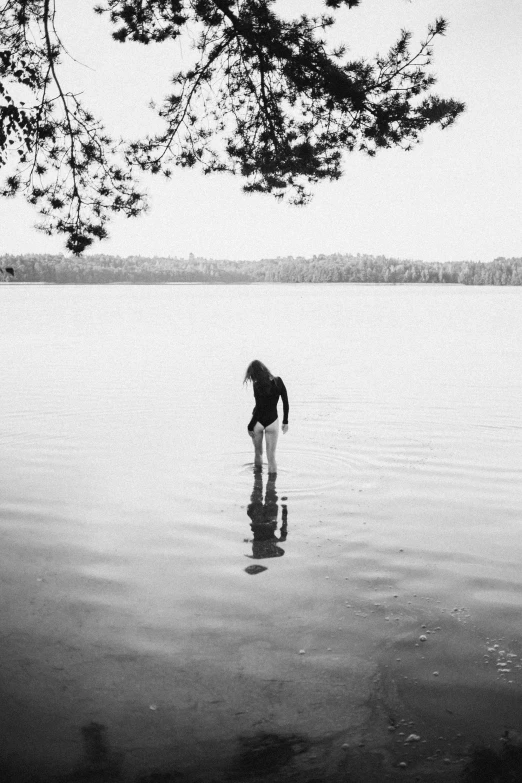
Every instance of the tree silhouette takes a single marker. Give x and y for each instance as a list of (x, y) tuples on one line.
[(264, 97)]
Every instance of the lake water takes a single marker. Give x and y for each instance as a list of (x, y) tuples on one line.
[(168, 615)]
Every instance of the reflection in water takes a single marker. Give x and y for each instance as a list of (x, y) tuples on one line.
[(100, 764), (99, 760), (263, 514)]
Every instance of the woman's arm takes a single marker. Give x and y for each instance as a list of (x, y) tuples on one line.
[(284, 397), (253, 420)]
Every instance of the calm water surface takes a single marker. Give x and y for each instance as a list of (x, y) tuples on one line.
[(164, 609)]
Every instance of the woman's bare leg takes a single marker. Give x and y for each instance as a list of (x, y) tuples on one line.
[(258, 445), (272, 434)]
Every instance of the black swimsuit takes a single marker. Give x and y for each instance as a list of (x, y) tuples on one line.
[(265, 411)]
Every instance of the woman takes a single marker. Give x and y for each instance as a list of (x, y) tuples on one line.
[(267, 390)]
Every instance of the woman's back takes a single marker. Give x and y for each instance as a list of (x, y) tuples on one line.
[(267, 397)]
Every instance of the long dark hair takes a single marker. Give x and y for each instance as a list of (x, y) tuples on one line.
[(259, 375)]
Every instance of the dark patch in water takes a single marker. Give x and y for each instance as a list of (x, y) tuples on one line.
[(489, 766), (99, 758), (162, 777), (255, 569), (269, 756), (266, 753)]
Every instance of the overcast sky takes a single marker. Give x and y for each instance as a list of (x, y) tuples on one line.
[(456, 196)]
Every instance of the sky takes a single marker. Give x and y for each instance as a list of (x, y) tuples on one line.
[(456, 196)]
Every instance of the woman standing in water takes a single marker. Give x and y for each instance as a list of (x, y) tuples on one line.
[(267, 390)]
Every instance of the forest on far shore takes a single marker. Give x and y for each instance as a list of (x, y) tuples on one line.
[(336, 268)]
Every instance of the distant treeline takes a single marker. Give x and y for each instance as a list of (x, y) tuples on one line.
[(337, 268)]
